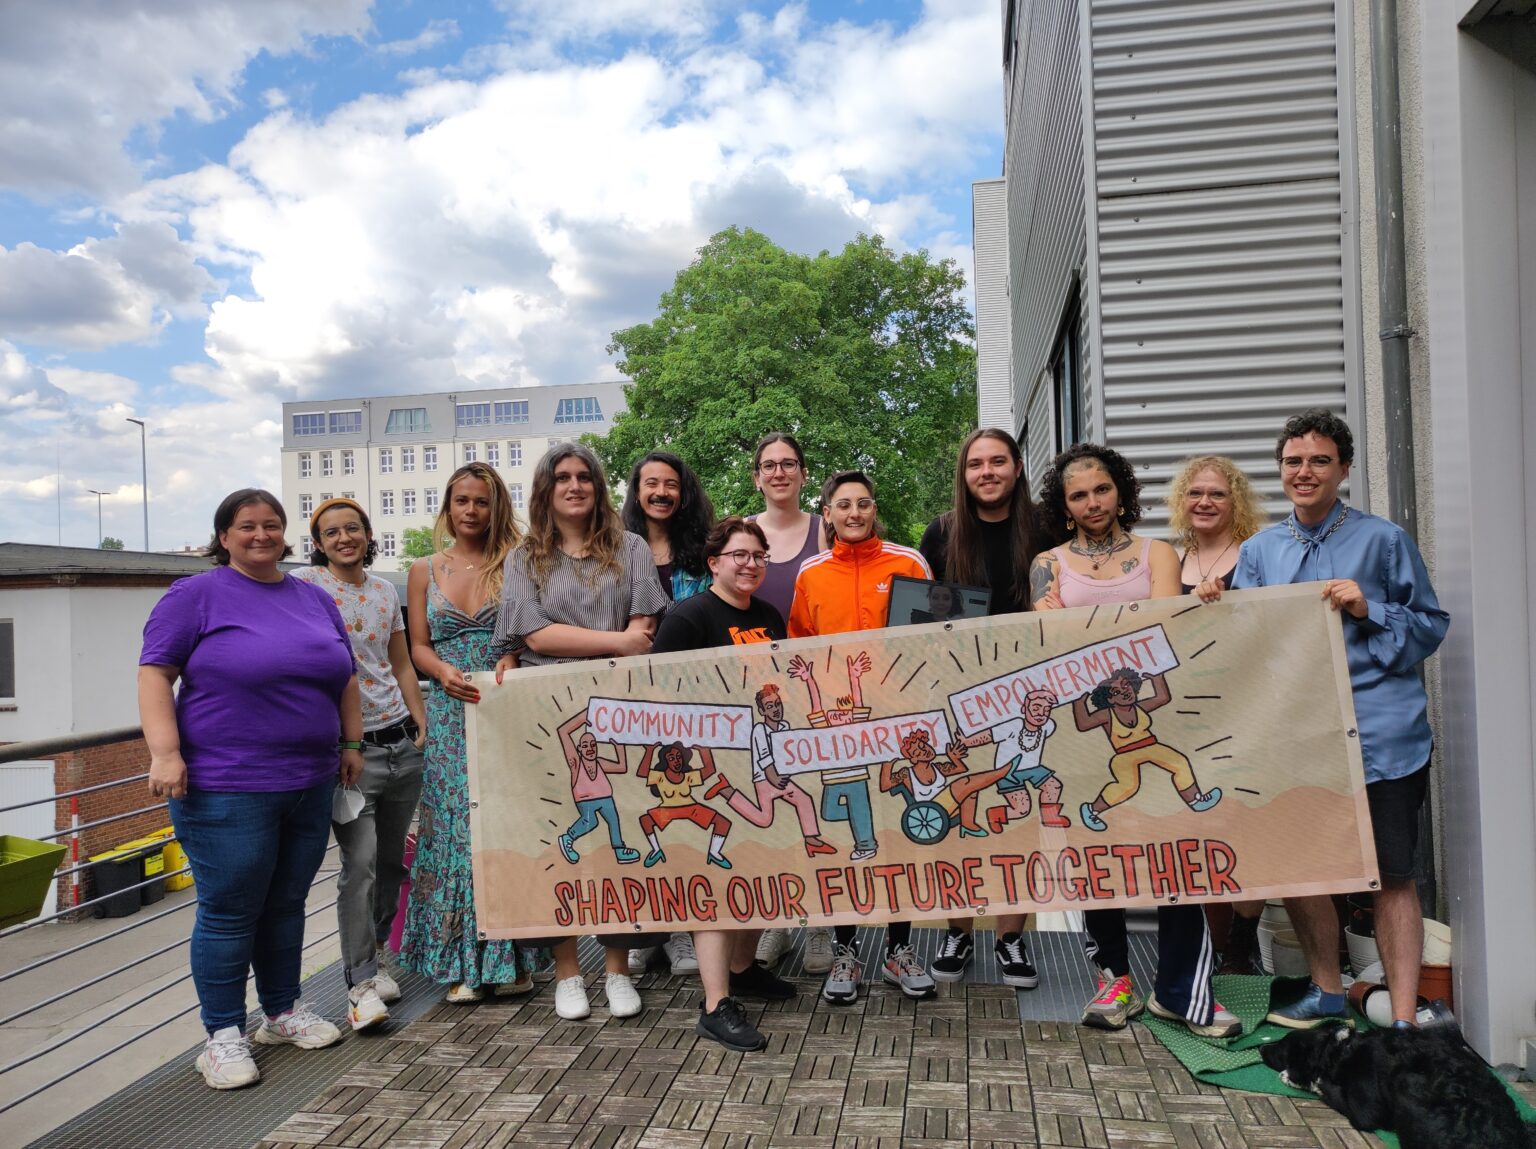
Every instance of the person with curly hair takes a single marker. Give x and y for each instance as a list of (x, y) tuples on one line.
[(665, 504), (1091, 498), (1211, 510)]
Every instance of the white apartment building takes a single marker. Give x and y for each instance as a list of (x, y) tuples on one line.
[(394, 453)]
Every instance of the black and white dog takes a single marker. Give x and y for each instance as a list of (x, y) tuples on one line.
[(1427, 1085)]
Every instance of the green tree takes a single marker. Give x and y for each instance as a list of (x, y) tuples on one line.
[(865, 356), (111, 544), (416, 542)]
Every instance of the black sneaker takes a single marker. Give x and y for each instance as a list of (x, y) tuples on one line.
[(760, 982), (1013, 960), (955, 953), (728, 1025)]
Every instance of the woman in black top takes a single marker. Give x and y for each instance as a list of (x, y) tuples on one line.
[(1211, 510)]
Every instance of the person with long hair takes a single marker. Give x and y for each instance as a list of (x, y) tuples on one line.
[(579, 586), (454, 594), (248, 753), (1092, 499), (665, 505), (986, 538), (1212, 511), (846, 589), (793, 535), (372, 841)]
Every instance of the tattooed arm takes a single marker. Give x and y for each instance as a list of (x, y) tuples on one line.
[(1044, 592)]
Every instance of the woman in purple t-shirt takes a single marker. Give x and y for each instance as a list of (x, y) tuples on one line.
[(248, 753)]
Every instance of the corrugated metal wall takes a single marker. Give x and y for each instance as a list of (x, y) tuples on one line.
[(1043, 163), (1223, 258), (1039, 427), (989, 243)]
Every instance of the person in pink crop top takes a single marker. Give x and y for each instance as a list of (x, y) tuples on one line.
[(1089, 502)]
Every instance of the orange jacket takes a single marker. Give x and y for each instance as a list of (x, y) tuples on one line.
[(849, 587)]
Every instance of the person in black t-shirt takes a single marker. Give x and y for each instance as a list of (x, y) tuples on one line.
[(986, 539), (727, 614)]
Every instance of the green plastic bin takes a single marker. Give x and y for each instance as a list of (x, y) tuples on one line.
[(26, 868)]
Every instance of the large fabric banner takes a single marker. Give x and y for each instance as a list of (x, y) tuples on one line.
[(1127, 755)]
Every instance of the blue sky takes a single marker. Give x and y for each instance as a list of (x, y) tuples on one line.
[(206, 210)]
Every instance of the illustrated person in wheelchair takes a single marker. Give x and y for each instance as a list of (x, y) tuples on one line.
[(938, 791)]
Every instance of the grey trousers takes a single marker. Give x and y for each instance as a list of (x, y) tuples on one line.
[(372, 853)]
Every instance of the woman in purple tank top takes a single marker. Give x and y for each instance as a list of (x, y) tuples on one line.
[(1090, 500), (778, 471)]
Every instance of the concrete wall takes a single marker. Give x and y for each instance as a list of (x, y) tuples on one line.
[(44, 664)]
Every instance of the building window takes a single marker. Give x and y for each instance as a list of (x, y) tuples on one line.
[(578, 411), (1066, 368), (306, 464), (348, 463), (473, 415), (407, 458), (310, 423), (349, 494), (346, 422), (515, 411), (327, 464), (554, 440), (493, 454), (386, 460), (8, 659), (514, 452), (387, 545), (386, 502), (403, 420), (306, 547), (325, 495), (407, 502), (430, 498), (306, 505), (469, 452), (429, 458), (516, 490)]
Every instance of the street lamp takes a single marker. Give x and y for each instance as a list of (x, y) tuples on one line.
[(144, 476), (98, 495)]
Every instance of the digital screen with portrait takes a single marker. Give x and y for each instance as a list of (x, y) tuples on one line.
[(923, 600)]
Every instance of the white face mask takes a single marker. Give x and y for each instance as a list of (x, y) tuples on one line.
[(346, 804)]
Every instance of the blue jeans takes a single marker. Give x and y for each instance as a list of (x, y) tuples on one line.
[(588, 809), (253, 856), (849, 802)]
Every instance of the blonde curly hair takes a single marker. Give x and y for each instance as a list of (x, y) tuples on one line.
[(1247, 514)]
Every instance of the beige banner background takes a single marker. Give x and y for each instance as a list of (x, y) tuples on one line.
[(1259, 705)]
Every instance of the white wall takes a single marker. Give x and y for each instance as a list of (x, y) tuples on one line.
[(44, 678)]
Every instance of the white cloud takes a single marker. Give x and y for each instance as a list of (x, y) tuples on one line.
[(79, 77), (120, 289), (436, 32)]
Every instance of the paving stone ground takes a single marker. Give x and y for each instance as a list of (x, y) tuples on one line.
[(961, 1070)]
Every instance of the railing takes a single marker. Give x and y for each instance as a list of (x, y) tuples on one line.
[(48, 748)]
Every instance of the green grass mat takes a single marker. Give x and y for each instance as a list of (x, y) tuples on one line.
[(1234, 1062)]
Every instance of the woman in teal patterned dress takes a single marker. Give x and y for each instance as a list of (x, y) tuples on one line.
[(453, 598)]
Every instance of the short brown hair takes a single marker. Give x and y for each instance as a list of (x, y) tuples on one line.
[(720, 534), (224, 519)]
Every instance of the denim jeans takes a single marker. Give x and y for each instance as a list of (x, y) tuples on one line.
[(373, 852), (253, 856), (849, 802)]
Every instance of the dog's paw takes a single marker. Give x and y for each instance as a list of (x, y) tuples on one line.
[(1285, 1077)]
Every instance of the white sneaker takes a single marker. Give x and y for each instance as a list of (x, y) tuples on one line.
[(571, 998), (623, 1001), (300, 1026), (365, 1006), (226, 1062), (679, 951), (772, 947), (640, 960), (818, 951), (384, 981), (462, 993)]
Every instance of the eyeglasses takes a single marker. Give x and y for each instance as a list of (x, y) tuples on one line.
[(337, 532), (1316, 462), (788, 466), (1215, 496), (846, 505), (747, 558)]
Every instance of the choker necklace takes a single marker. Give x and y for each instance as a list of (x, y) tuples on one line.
[(1214, 562), (1308, 540), (1094, 550)]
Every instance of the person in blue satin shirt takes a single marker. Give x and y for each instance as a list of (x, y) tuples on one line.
[(1371, 571)]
